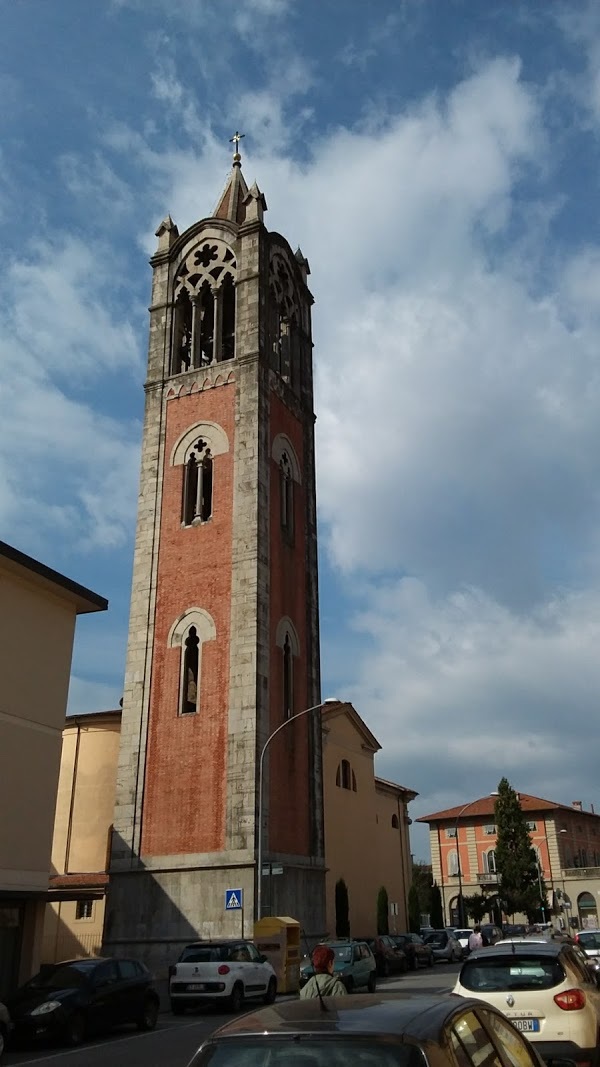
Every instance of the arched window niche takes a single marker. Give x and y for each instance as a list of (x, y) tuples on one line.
[(190, 632), (286, 639), (204, 304)]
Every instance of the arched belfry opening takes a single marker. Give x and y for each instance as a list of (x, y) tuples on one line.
[(204, 299)]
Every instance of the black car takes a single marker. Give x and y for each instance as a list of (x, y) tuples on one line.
[(389, 958), (76, 998), (383, 1030), (415, 950)]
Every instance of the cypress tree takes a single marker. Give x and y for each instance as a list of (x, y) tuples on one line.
[(521, 887), (414, 910), (342, 909), (383, 911)]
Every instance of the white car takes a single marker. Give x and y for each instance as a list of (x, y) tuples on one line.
[(462, 935), (220, 971), (546, 991)]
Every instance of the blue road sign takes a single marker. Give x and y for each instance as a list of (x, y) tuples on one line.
[(234, 899)]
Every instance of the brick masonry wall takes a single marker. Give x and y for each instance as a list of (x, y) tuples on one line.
[(184, 799), (289, 768)]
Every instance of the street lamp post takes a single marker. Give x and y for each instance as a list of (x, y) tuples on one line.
[(461, 908), (261, 764)]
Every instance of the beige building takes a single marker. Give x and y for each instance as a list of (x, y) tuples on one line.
[(366, 825), (566, 841), (38, 610), (82, 830)]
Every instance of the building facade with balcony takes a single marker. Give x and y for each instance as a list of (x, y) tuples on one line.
[(566, 840)]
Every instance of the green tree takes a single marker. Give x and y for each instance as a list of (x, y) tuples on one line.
[(521, 887), (477, 906), (436, 914), (342, 909), (383, 911), (422, 880), (414, 910)]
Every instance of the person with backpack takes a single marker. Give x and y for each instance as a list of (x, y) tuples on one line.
[(323, 982)]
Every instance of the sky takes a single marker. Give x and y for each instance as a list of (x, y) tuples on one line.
[(438, 163)]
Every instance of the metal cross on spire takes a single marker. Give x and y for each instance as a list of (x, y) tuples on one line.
[(235, 140)]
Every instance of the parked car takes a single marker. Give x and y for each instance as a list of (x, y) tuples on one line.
[(77, 998), (5, 1027), (491, 933), (385, 1030), (462, 935), (444, 946), (589, 942), (546, 992), (222, 972), (354, 964), (388, 957), (415, 950)]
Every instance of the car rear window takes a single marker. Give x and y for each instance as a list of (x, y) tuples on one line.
[(511, 972), (310, 1051), (206, 953), (589, 940)]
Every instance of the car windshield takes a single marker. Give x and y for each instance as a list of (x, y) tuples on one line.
[(343, 953), (436, 939), (511, 972), (65, 976), (298, 1050)]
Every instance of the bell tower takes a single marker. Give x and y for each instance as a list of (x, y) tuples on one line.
[(224, 627)]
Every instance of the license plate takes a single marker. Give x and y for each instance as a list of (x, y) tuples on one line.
[(527, 1026), (195, 987)]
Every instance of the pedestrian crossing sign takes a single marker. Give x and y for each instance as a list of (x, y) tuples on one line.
[(234, 899)]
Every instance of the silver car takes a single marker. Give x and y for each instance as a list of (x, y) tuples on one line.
[(445, 946)]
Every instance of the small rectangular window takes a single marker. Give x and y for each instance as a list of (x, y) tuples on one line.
[(451, 831), (490, 829), (531, 826), (84, 909)]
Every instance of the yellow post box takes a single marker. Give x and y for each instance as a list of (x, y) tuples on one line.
[(278, 938)]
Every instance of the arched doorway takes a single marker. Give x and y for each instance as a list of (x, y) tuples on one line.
[(588, 912), (454, 919)]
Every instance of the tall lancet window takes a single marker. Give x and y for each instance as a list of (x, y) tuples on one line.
[(182, 339), (288, 678), (191, 659), (228, 318), (286, 483), (198, 485), (206, 314)]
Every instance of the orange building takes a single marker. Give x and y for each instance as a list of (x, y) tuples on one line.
[(566, 841)]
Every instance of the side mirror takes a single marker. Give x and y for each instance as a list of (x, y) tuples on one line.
[(263, 959)]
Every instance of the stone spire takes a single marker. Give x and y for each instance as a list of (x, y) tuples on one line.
[(231, 204)]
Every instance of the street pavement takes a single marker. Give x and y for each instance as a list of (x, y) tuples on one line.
[(175, 1040)]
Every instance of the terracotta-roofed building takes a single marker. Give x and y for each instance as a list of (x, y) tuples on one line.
[(566, 840)]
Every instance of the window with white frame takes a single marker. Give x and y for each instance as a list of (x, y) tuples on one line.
[(451, 831), (453, 862), (489, 829), (189, 633), (531, 826), (84, 909)]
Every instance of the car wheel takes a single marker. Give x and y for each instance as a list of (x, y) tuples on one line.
[(75, 1029), (236, 999), (430, 960), (2, 1039), (271, 993), (385, 969), (149, 1016), (372, 983), (414, 963), (349, 983), (177, 1007)]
